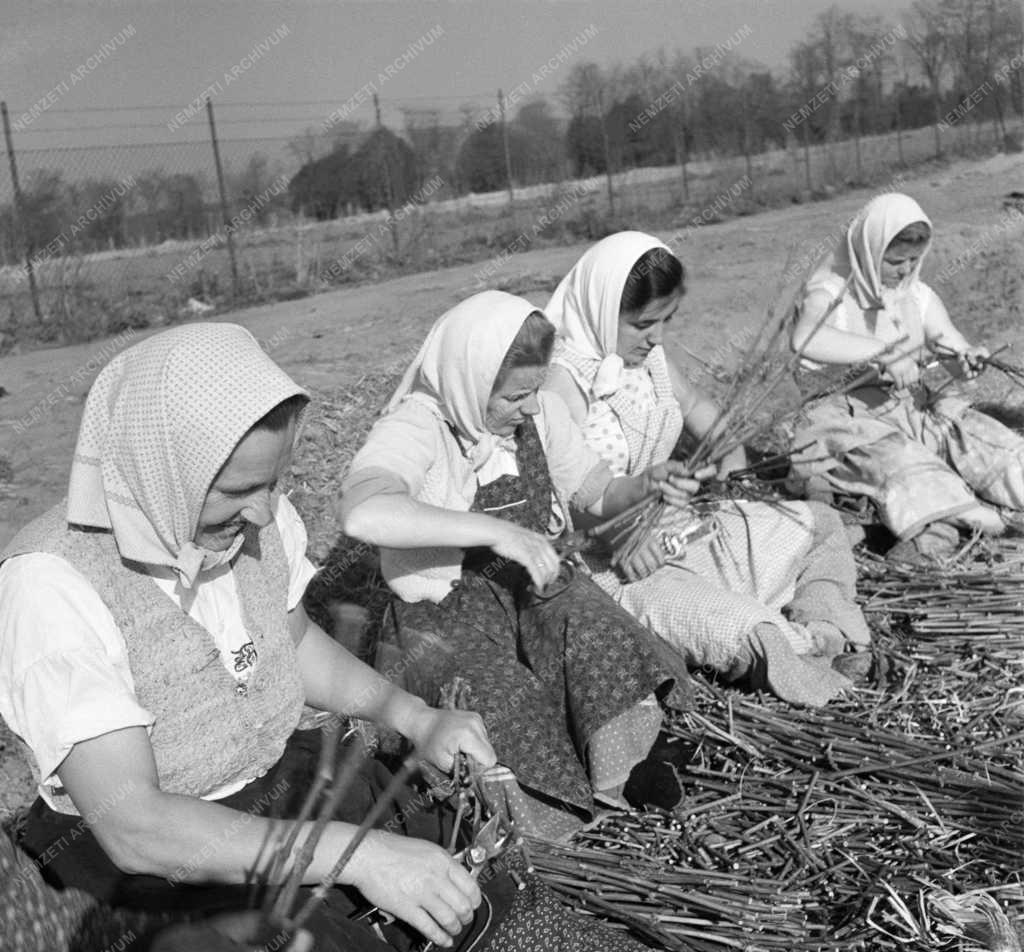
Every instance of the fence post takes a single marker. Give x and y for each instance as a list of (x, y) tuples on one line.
[(607, 154), (899, 127), (19, 212), (681, 159), (225, 217), (388, 187), (508, 152), (807, 157)]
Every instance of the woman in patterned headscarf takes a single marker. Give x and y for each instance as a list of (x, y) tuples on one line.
[(465, 483), (155, 656), (763, 591), (930, 464)]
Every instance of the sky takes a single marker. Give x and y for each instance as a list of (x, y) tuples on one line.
[(85, 73)]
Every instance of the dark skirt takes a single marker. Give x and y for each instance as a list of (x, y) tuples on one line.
[(545, 675)]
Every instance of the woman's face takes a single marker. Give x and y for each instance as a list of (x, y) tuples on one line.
[(641, 331), (241, 492), (515, 400), (898, 263)]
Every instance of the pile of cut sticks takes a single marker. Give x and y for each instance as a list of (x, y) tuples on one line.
[(892, 819)]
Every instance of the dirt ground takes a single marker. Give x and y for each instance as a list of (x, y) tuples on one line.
[(332, 340)]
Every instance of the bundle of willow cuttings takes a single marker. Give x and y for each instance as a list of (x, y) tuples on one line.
[(767, 365), (820, 828)]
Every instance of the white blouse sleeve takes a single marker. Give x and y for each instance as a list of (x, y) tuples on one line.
[(576, 469), (64, 674), (295, 541), (400, 449)]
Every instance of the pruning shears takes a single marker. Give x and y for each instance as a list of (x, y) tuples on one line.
[(492, 839), (490, 842)]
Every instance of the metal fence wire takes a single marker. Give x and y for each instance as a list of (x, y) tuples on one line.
[(98, 239)]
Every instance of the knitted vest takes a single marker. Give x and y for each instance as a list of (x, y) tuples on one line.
[(207, 732)]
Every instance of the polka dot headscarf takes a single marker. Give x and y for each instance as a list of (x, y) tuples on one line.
[(160, 421)]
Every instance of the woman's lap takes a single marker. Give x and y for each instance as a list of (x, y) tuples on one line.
[(897, 454), (544, 682), (757, 550), (707, 603), (920, 464)]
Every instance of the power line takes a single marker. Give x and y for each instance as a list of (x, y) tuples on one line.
[(220, 104), (298, 120), (148, 145), (160, 125)]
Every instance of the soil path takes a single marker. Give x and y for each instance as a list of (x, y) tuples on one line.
[(333, 339)]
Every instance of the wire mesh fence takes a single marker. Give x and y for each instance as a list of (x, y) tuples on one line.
[(98, 239)]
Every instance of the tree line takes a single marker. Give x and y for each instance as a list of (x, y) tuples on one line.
[(104, 213), (851, 75)]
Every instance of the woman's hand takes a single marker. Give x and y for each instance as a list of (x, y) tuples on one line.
[(902, 371), (530, 549), (675, 482), (972, 361), (650, 557), (415, 881), (439, 735)]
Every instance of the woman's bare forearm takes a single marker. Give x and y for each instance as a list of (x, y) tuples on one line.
[(831, 346), (197, 841), (113, 782), (396, 520)]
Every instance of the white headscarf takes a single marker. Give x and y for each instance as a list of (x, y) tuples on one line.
[(455, 369), (160, 421), (860, 255), (585, 305)]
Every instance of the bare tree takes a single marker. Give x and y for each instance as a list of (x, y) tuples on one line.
[(307, 146), (1002, 24), (861, 34), (830, 33), (928, 38), (423, 130), (582, 88), (805, 82), (677, 72)]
